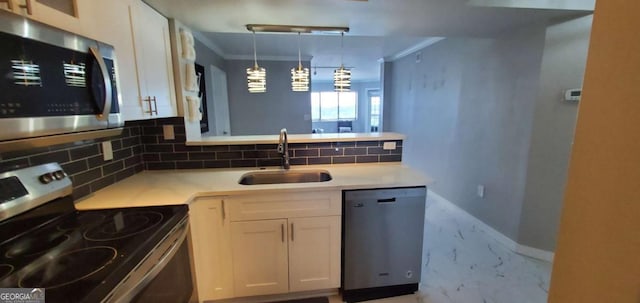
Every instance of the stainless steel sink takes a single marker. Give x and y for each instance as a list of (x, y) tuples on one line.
[(284, 176)]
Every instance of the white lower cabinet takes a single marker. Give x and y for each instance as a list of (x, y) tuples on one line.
[(250, 245), (260, 265), (211, 249), (314, 253), (287, 255)]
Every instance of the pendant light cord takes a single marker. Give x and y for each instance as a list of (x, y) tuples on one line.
[(299, 55), (255, 56), (341, 50)]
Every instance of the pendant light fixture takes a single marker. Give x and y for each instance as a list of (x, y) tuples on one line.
[(299, 75), (342, 76), (256, 76)]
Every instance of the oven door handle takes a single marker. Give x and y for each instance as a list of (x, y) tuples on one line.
[(127, 294), (108, 97)]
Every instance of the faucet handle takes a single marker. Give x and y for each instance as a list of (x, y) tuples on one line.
[(280, 148)]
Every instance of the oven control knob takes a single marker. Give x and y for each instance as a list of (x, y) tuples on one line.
[(59, 175), (46, 178)]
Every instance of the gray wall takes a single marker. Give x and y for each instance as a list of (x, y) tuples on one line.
[(386, 92), (563, 64), (488, 112), (206, 57), (467, 110), (266, 113), (360, 124)]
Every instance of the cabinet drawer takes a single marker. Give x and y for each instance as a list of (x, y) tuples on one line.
[(284, 205)]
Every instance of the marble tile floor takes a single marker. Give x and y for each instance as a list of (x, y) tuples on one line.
[(464, 264)]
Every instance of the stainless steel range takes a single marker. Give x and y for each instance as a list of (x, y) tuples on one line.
[(115, 255)]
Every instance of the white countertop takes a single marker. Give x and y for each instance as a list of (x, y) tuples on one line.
[(294, 138), (167, 187)]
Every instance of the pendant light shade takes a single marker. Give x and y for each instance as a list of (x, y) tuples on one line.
[(256, 75), (257, 79), (300, 79), (342, 76), (342, 79), (299, 75)]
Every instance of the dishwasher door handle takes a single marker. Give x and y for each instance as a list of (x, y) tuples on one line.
[(389, 200)]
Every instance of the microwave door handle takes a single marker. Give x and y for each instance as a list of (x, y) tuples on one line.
[(107, 83)]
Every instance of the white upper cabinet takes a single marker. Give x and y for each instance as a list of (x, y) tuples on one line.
[(111, 24), (153, 65), (63, 14), (140, 36)]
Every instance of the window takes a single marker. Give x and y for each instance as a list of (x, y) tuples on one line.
[(334, 106), (375, 112)]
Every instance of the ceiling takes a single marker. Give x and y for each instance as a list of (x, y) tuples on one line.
[(379, 29)]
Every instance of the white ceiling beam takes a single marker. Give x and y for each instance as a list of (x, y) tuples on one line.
[(580, 5)]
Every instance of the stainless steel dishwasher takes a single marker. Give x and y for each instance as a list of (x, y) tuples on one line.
[(382, 242)]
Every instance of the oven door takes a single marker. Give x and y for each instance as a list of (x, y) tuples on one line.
[(173, 283), (163, 276)]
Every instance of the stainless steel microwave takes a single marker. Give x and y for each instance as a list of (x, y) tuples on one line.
[(55, 86)]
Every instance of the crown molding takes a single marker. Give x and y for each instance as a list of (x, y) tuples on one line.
[(267, 58), (427, 42), (208, 43)]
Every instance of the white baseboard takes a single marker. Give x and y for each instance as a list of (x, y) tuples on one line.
[(498, 236), (535, 253)]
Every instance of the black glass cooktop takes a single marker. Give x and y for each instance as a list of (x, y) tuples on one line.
[(79, 256)]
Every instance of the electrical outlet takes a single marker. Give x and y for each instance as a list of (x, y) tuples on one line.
[(389, 145), (107, 150), (168, 132), (480, 191)]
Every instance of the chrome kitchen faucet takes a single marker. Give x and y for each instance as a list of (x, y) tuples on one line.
[(283, 148)]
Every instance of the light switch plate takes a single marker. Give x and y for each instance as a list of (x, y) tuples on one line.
[(389, 145), (107, 150), (168, 132), (480, 191)]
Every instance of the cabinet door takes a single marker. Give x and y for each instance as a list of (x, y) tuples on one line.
[(211, 247), (259, 257), (63, 14), (153, 62), (111, 24), (314, 253)]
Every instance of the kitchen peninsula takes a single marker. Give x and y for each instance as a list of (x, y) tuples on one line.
[(167, 187), (271, 241)]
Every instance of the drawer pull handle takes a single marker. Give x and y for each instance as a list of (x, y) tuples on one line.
[(224, 213), (390, 200), (292, 232), (282, 232), (27, 5), (153, 105), (9, 4)]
